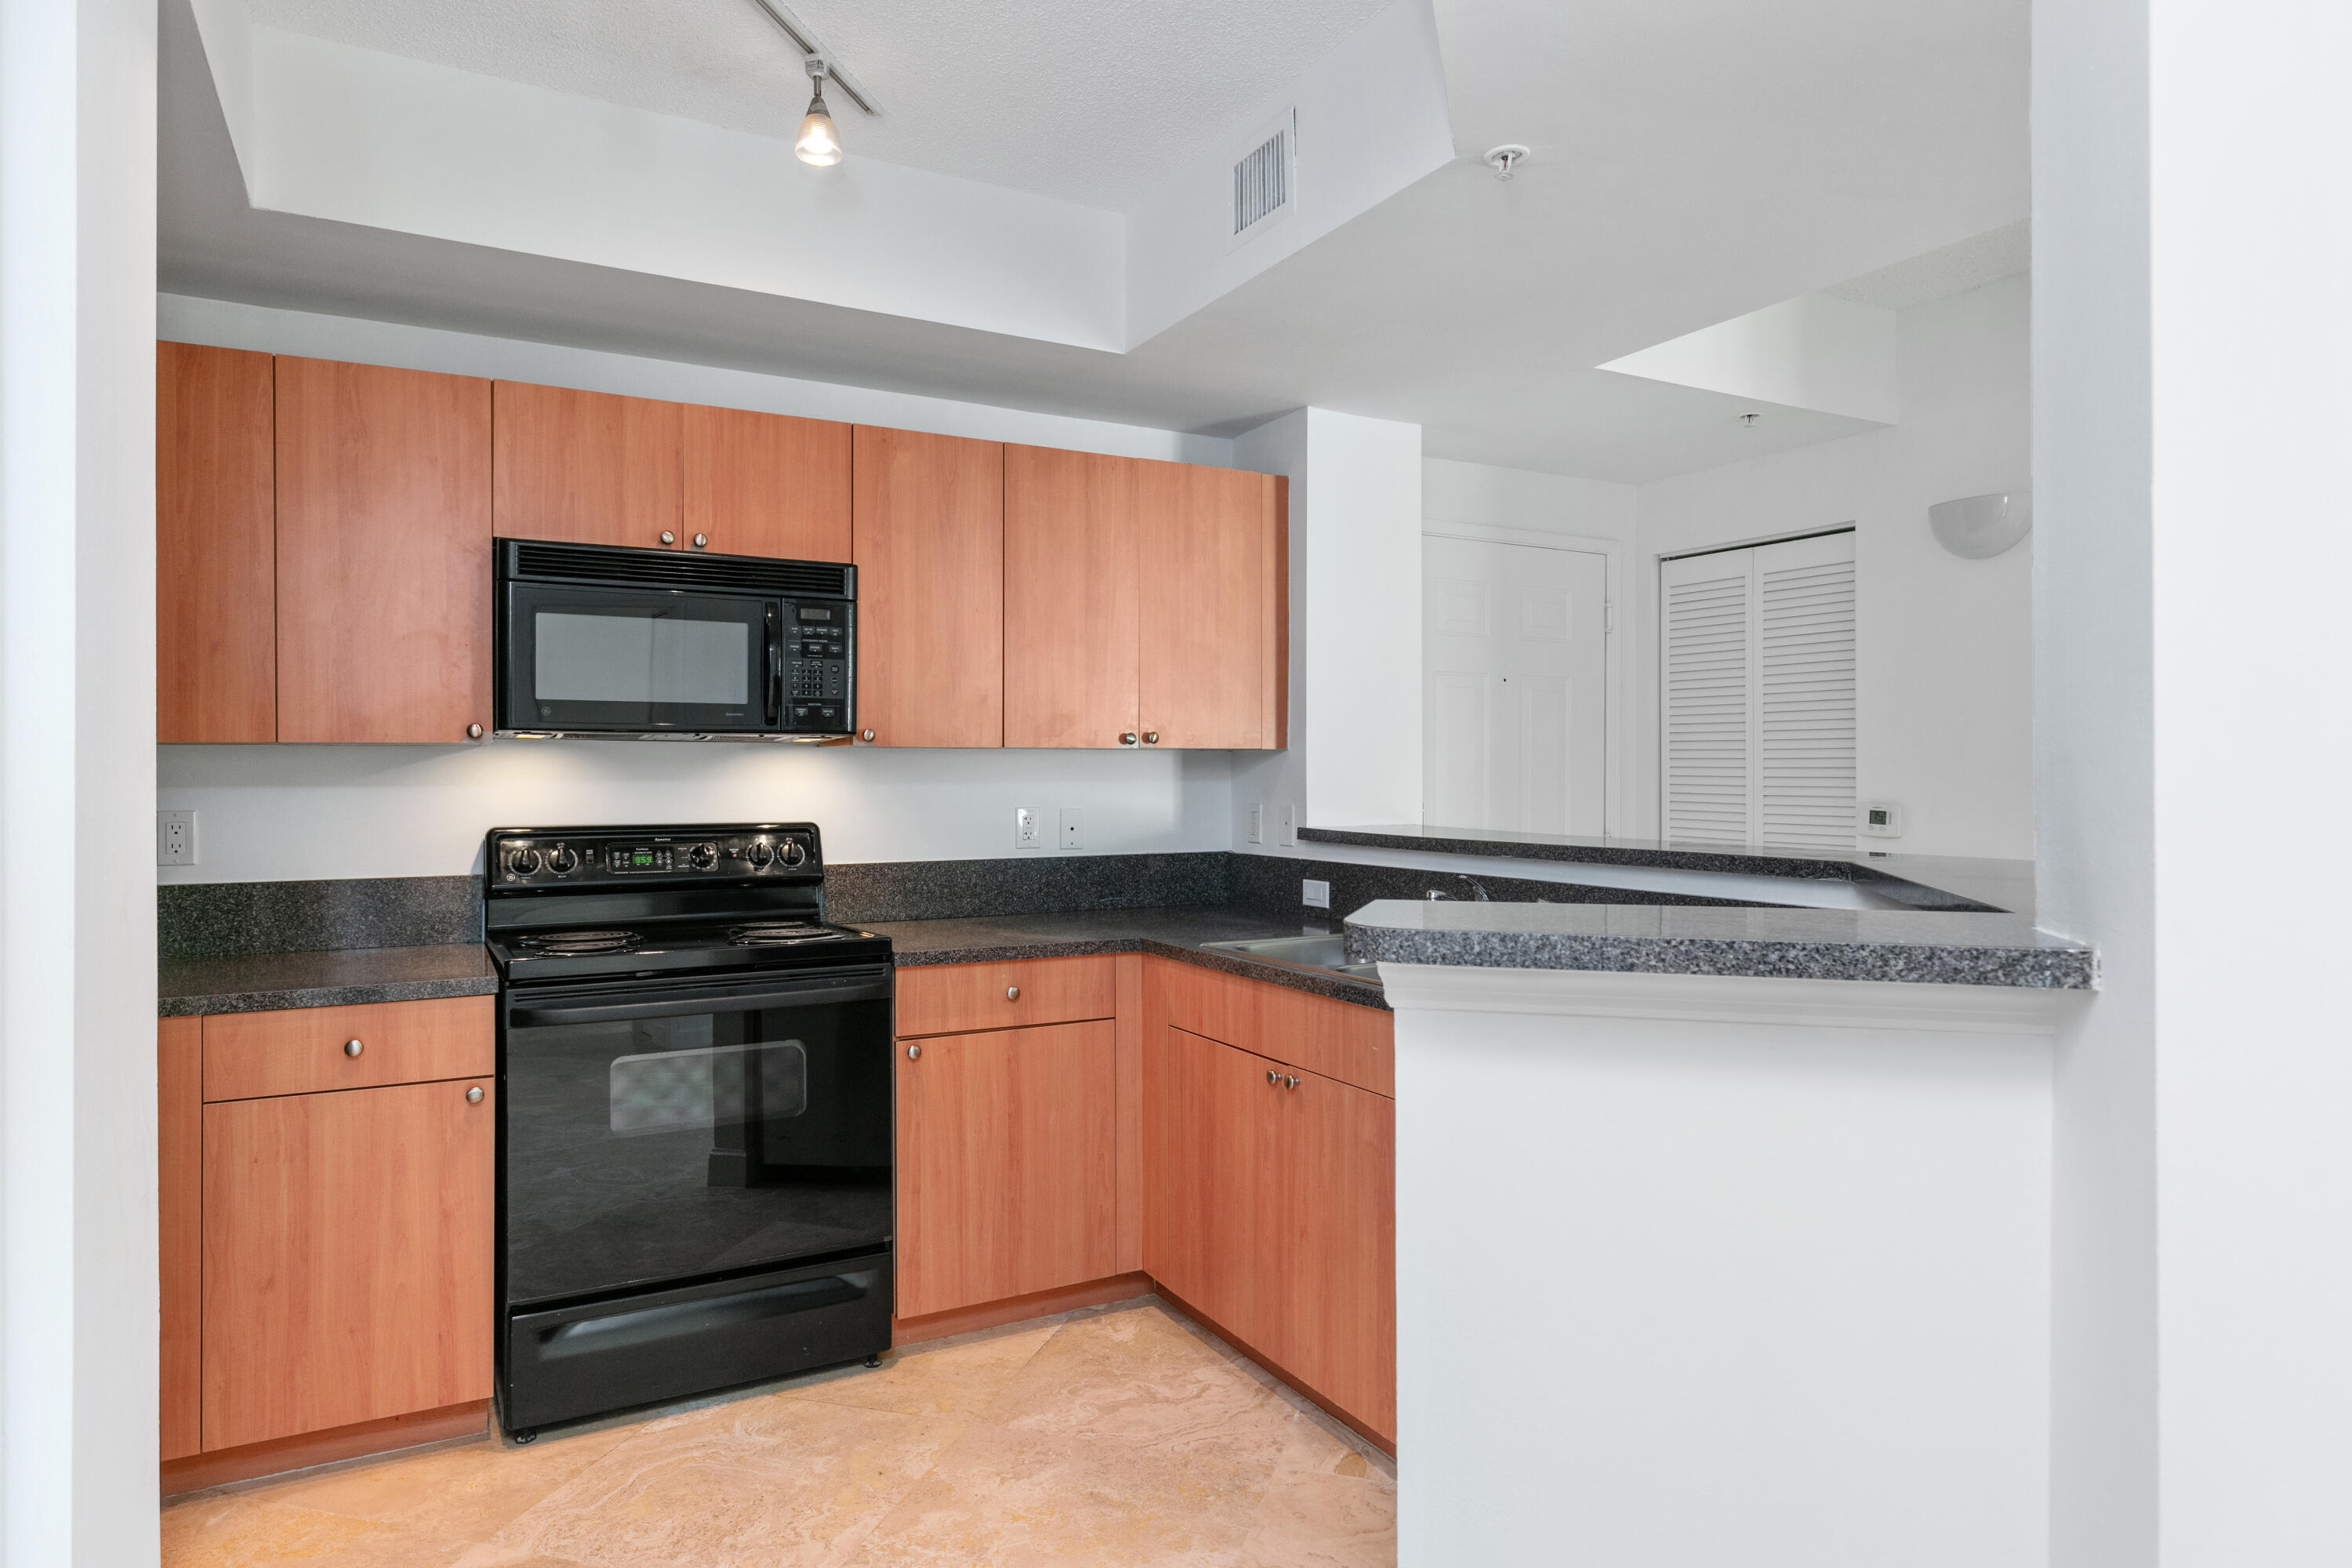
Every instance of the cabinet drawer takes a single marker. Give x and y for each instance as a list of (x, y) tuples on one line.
[(302, 1051), (957, 997), (1337, 1039)]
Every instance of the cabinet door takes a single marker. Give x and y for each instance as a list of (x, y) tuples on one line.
[(384, 553), (1213, 606), (766, 484), (215, 550), (931, 588), (1334, 1200), (179, 1192), (1209, 1118), (586, 468), (1006, 1176), (347, 1258), (1070, 597)]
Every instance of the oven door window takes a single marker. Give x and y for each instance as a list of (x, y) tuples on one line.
[(584, 658), (672, 1148)]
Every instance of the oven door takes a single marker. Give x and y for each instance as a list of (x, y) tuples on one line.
[(655, 1136), (636, 660)]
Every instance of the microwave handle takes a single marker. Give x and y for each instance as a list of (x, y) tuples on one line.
[(775, 670)]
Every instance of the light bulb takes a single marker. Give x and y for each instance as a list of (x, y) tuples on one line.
[(819, 143)]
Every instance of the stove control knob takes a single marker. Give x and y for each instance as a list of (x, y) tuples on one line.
[(761, 853), (794, 852), (524, 863), (703, 856), (563, 859)]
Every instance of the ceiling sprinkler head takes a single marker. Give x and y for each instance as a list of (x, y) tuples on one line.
[(1749, 418), (1504, 159)]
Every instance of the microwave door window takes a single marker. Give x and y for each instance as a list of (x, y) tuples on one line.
[(641, 661)]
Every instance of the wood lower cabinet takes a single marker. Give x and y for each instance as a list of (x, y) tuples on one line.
[(1007, 1171), (384, 553), (179, 1188), (215, 546), (931, 588), (1210, 1165), (766, 484), (347, 1258), (587, 467)]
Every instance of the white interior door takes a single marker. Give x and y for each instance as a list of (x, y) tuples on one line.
[(1515, 656)]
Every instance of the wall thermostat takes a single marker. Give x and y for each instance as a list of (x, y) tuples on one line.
[(1881, 819)]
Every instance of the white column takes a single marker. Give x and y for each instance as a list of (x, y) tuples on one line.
[(2190, 408), (77, 1272)]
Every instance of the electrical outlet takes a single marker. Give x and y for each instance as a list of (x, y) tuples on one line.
[(1025, 828), (1070, 837), (1257, 821), (1315, 895), (175, 838), (1289, 838)]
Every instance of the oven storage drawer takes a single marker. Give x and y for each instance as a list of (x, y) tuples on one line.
[(958, 998), (572, 1362), (307, 1050)]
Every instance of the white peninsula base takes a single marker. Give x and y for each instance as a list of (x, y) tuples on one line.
[(1710, 1272)]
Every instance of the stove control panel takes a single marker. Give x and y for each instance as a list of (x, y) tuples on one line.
[(520, 857)]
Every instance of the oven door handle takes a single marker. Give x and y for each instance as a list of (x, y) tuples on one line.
[(526, 1014)]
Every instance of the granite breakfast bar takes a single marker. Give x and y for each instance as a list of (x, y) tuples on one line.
[(1777, 1182)]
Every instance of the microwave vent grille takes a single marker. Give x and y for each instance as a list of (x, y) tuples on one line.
[(673, 569)]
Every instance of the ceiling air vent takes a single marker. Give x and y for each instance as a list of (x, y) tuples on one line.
[(1265, 178)]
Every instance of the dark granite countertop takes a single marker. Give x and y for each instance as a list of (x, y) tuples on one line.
[(1919, 946), (267, 982), (1179, 933)]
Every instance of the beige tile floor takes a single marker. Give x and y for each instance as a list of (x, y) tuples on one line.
[(1114, 1437)]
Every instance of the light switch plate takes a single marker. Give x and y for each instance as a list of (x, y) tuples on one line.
[(1026, 834), (175, 838), (1257, 821), (1070, 836), (1289, 836), (1881, 819), (1315, 895)]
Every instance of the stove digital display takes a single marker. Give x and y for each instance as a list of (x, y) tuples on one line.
[(638, 857)]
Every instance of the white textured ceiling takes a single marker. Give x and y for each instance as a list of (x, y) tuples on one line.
[(1092, 101)]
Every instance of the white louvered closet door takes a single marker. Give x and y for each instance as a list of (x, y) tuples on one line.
[(1759, 696)]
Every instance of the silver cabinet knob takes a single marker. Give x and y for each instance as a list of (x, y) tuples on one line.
[(1126, 738), (474, 1096), (1272, 1076), (914, 1053), (353, 1047), (866, 735), (702, 541), (1012, 993), (667, 537), (1291, 1082), (1151, 737), (473, 732)]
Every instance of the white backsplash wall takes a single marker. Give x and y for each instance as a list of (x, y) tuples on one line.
[(287, 813), (269, 813)]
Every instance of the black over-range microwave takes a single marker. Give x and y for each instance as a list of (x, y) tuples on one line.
[(663, 645)]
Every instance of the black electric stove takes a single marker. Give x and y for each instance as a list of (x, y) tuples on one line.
[(695, 1115)]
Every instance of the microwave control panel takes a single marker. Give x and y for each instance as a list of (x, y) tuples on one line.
[(820, 696)]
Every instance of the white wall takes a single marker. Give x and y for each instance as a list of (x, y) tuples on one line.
[(2192, 228), (1945, 689), (272, 812), (78, 1266)]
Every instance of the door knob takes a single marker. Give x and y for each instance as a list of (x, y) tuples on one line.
[(474, 1096), (1012, 993), (353, 1047), (914, 1053), (667, 537)]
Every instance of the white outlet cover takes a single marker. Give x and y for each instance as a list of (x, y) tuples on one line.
[(175, 838), (1026, 832), (1257, 821), (1315, 895), (1289, 827), (1071, 837)]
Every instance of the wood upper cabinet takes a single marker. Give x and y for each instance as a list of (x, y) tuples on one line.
[(1007, 1176), (215, 550), (347, 1258), (929, 551), (587, 467), (179, 1188), (384, 553), (766, 484), (1072, 588), (1214, 607)]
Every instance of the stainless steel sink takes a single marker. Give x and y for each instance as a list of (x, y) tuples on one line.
[(1327, 953)]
